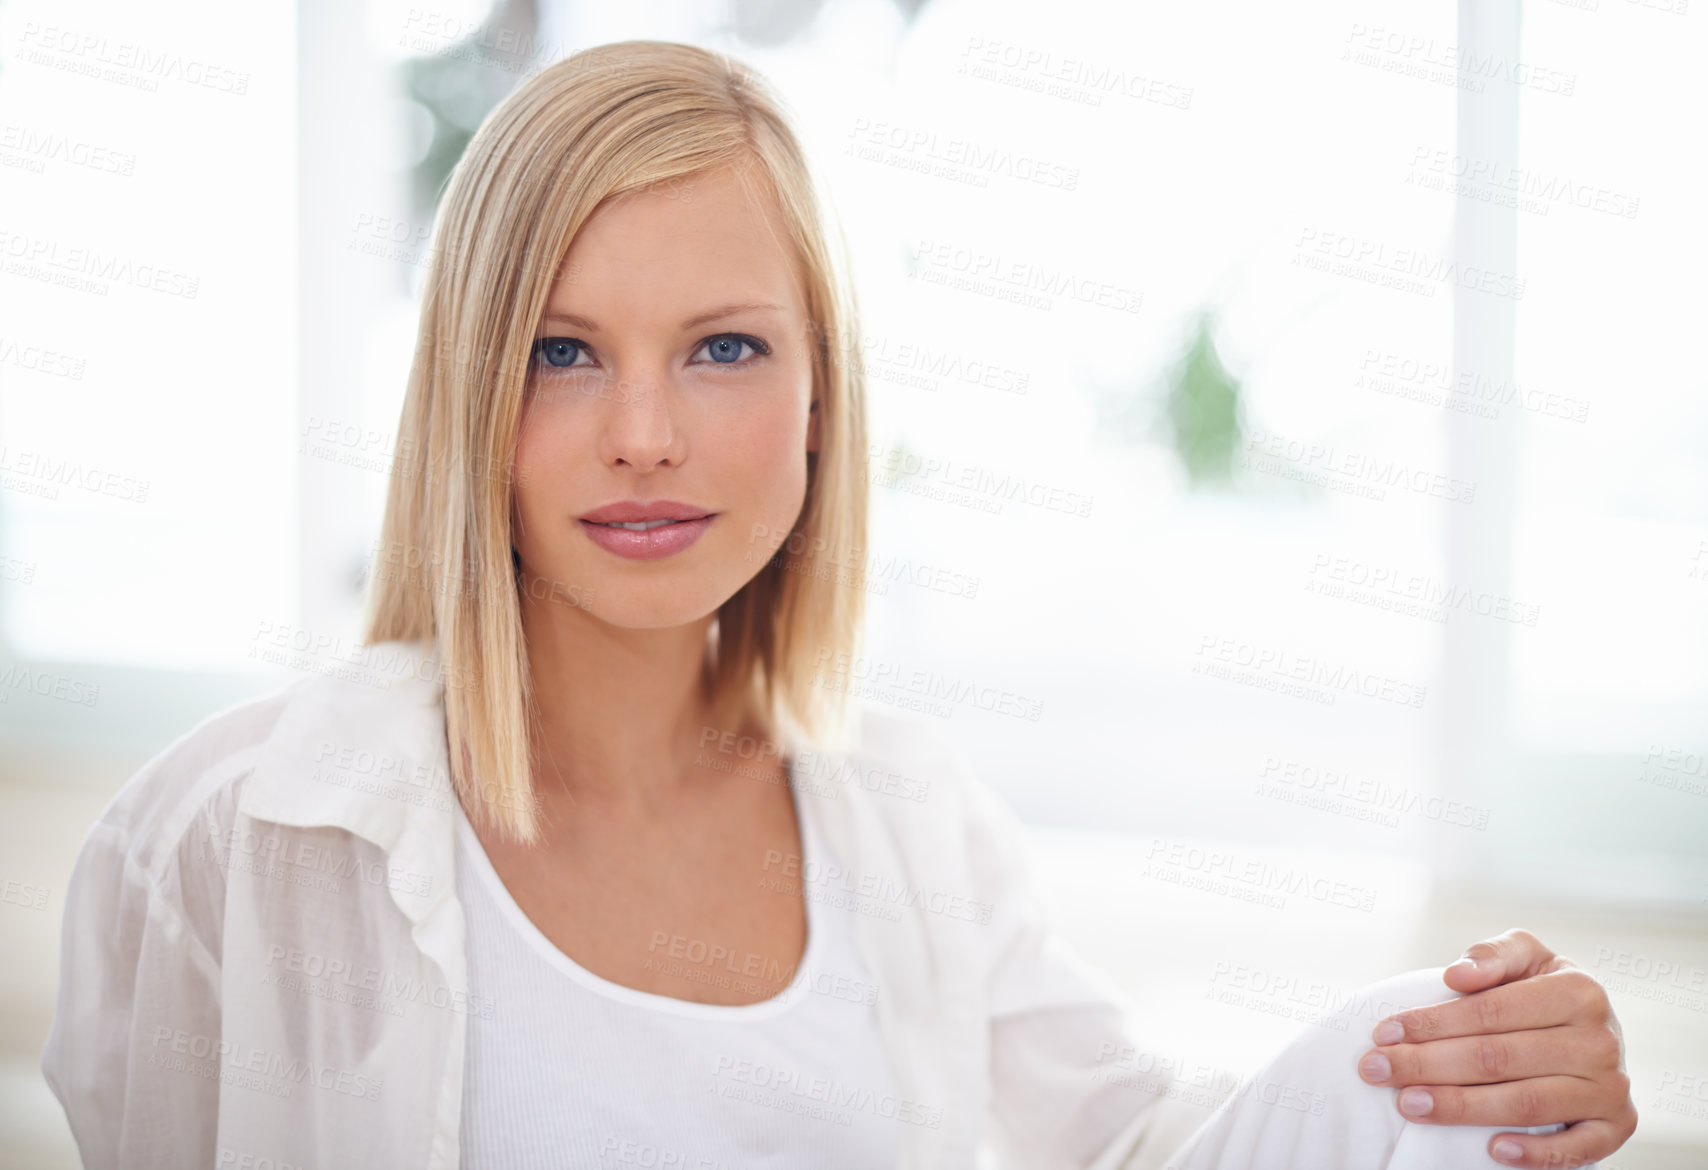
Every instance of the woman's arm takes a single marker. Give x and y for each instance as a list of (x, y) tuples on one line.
[(1532, 1041), (1071, 1085)]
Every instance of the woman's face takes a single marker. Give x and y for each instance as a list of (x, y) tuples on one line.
[(670, 366)]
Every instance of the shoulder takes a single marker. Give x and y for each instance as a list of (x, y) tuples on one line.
[(907, 744), (916, 775), (895, 767), (153, 810), (142, 867), (200, 777)]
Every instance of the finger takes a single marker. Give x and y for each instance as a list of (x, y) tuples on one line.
[(1576, 1145), (1536, 1101), (1568, 1050), (1512, 954), (1567, 996)]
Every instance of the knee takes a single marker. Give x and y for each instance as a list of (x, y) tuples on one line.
[(1388, 997), (1341, 1032), (1308, 1107), (1409, 989), (1310, 1102), (1324, 1056), (1336, 1062)]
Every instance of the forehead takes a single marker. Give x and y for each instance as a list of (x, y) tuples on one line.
[(666, 252)]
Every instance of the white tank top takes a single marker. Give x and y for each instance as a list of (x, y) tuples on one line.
[(566, 1069)]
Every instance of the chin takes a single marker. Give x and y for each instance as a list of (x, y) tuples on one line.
[(629, 617), (661, 605)]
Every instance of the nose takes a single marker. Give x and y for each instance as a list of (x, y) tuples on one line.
[(639, 425)]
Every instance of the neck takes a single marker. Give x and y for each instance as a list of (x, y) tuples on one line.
[(620, 714)]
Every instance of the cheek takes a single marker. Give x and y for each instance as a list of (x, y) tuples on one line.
[(541, 466), (538, 432), (762, 454)]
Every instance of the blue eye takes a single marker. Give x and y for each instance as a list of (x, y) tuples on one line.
[(725, 348), (563, 353), (558, 352)]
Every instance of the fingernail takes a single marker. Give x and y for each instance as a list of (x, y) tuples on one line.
[(1374, 1068), (1508, 1151), (1467, 961), (1416, 1102), (1389, 1032)]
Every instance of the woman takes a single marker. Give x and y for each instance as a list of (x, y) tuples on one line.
[(586, 862)]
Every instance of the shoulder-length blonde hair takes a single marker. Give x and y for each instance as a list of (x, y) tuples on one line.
[(609, 120)]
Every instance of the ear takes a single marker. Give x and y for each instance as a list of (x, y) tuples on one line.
[(813, 416)]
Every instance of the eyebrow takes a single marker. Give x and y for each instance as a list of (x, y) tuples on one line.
[(716, 314)]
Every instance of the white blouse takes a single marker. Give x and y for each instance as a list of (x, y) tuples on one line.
[(264, 955), (565, 1068)]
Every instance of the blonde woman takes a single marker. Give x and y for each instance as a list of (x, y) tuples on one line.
[(588, 861)]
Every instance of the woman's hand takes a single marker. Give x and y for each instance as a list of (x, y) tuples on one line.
[(1535, 1040)]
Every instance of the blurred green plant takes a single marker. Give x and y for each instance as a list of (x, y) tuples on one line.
[(460, 84), (1195, 406), (1204, 409)]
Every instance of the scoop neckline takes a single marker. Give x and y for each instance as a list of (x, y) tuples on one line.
[(535, 938)]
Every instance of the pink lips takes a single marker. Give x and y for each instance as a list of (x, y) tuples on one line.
[(689, 522)]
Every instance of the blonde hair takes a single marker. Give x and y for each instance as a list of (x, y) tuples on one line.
[(612, 119)]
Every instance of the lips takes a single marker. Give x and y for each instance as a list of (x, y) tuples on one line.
[(646, 540), (635, 525), (648, 512)]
